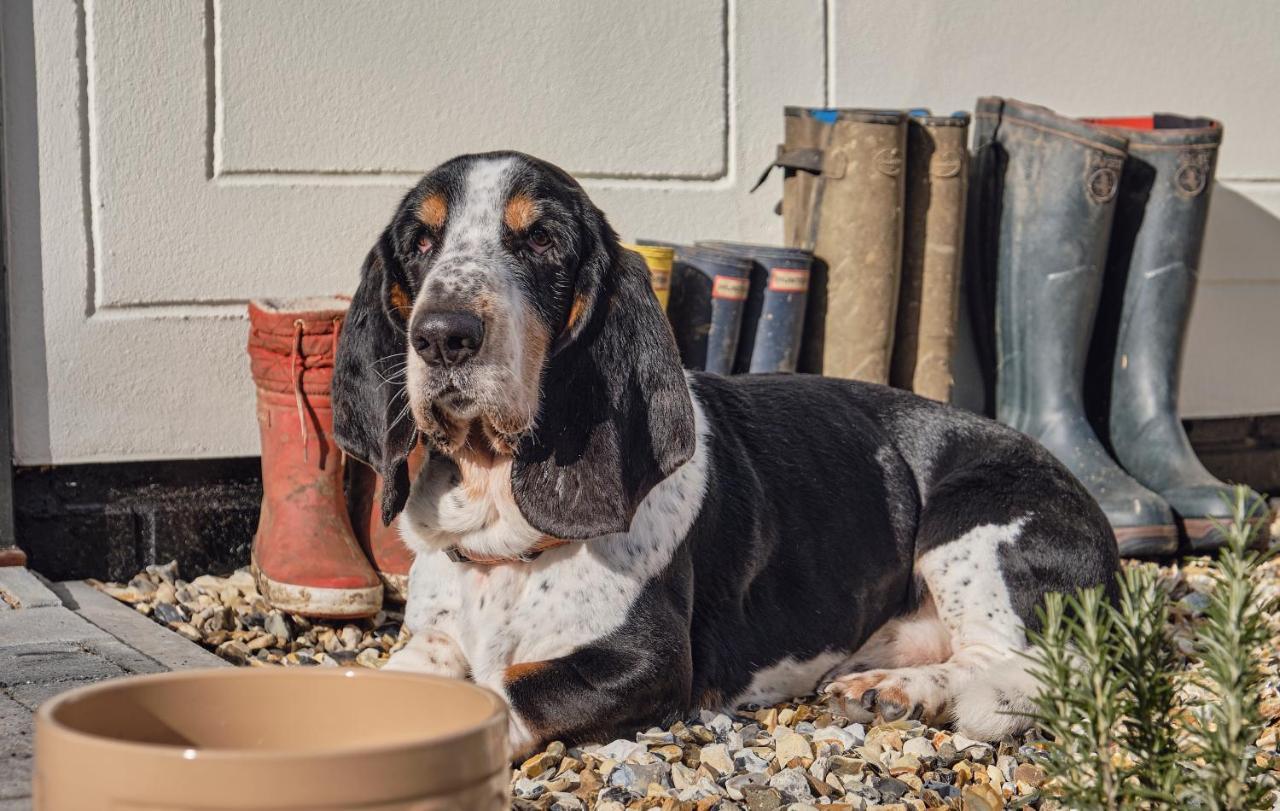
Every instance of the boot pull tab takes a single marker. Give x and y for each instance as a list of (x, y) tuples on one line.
[(804, 160), (298, 326)]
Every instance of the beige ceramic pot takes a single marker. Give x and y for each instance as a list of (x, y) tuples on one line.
[(273, 739)]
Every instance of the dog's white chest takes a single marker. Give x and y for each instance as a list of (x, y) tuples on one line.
[(515, 612)]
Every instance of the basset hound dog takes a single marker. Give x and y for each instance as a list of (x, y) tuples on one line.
[(611, 542)]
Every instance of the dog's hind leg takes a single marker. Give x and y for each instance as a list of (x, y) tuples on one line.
[(978, 679)]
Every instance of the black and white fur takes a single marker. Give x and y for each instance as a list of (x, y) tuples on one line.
[(740, 539)]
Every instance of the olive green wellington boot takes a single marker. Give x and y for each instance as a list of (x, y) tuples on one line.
[(1150, 283), (842, 200), (933, 233), (1042, 200)]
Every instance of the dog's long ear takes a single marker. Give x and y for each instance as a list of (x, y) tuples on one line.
[(615, 416), (371, 420)]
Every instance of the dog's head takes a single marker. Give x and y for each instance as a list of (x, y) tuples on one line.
[(497, 315)]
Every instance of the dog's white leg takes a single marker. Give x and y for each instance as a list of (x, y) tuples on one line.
[(978, 678), (431, 617), (430, 652)]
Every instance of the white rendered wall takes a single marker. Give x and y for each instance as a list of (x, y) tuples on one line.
[(169, 159)]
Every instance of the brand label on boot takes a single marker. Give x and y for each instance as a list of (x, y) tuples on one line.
[(730, 287), (1193, 172), (1102, 177), (660, 280), (947, 163), (789, 280), (888, 161)]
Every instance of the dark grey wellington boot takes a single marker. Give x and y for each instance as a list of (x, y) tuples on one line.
[(1147, 295), (1048, 186)]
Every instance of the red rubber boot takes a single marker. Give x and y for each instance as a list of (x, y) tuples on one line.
[(305, 556), (382, 544)]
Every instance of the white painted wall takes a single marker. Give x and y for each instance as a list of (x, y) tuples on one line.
[(169, 159)]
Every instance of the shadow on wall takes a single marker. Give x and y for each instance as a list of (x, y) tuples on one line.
[(1230, 343)]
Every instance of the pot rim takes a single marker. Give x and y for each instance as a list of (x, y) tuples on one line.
[(47, 719)]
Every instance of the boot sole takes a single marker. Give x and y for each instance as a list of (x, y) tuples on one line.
[(317, 601), (1147, 542), (1203, 534)]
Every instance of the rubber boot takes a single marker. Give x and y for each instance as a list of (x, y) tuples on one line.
[(658, 258), (842, 200), (1046, 188), (933, 235), (305, 556), (1150, 284), (773, 319), (709, 288), (381, 543)]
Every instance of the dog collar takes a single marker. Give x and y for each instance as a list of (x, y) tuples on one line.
[(458, 556)]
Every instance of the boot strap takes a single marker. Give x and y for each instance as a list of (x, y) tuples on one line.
[(804, 159)]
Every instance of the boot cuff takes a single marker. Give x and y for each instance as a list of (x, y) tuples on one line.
[(960, 119), (278, 316), (830, 115), (1165, 130), (292, 344), (1012, 111)]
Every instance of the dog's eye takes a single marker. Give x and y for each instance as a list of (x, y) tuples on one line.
[(539, 240), (425, 243)]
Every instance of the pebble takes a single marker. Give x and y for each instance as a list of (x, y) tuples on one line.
[(919, 747), (790, 745), (793, 784), (716, 757), (278, 625), (798, 755), (168, 613)]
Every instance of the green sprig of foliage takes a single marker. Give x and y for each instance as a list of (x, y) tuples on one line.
[(1111, 679), (1226, 774)]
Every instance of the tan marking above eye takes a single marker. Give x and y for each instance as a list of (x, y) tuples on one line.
[(433, 210), (521, 212)]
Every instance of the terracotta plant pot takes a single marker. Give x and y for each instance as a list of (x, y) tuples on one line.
[(273, 739)]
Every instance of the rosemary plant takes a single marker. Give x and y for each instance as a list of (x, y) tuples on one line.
[(1120, 733)]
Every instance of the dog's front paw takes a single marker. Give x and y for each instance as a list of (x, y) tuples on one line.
[(429, 652), (890, 694)]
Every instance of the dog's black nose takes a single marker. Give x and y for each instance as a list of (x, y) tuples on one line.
[(447, 338)]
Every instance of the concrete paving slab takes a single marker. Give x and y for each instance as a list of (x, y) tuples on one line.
[(55, 662), (63, 635), (15, 752), (47, 626), (134, 630), (19, 588)]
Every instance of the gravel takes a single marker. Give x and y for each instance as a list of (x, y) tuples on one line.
[(229, 617), (796, 755)]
